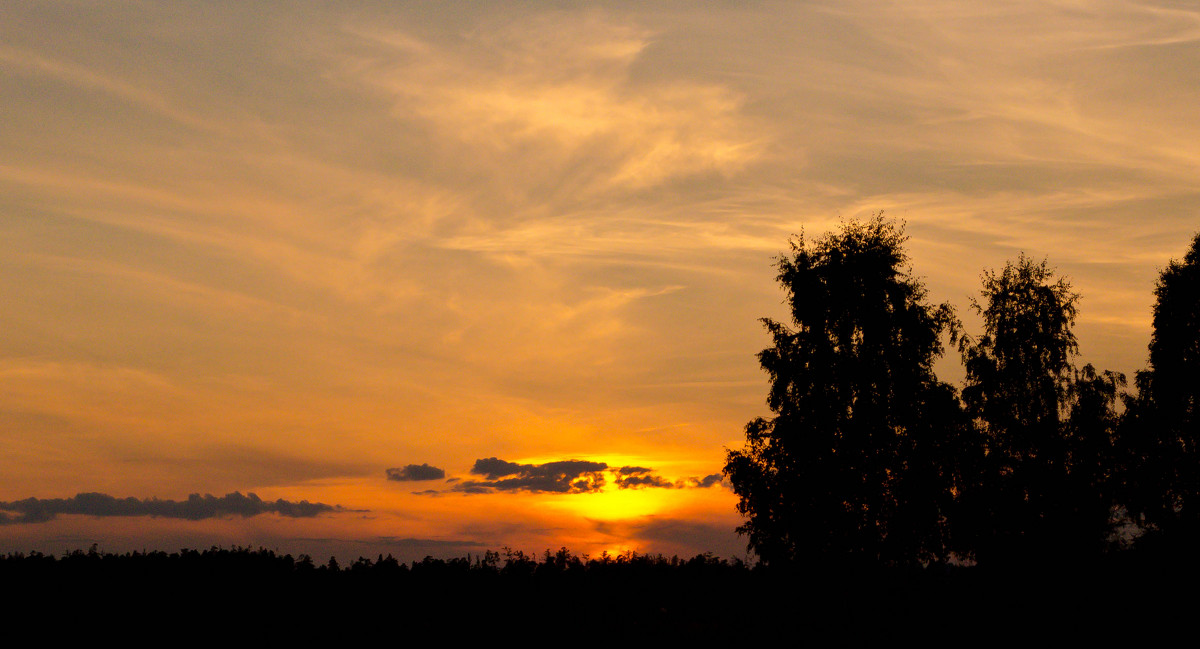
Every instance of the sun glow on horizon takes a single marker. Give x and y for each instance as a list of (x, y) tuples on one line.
[(613, 503)]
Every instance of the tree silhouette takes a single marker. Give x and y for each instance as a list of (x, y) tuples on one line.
[(853, 466), (1093, 461), (1043, 487), (1162, 428)]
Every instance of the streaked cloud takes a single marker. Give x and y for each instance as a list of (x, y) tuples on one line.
[(39, 65), (196, 507), (557, 90)]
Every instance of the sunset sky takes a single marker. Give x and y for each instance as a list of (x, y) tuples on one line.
[(283, 247)]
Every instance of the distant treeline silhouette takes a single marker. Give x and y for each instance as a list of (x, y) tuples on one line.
[(261, 595), (870, 459)]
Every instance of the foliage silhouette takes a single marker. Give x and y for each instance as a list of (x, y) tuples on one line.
[(1162, 427), (857, 465), (1042, 489), (1094, 460)]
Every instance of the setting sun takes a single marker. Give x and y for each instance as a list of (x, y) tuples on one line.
[(612, 503)]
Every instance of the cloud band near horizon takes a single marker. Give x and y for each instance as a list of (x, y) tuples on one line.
[(196, 507)]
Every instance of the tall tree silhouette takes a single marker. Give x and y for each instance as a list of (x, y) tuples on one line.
[(1090, 492), (1043, 486), (1162, 429), (853, 466)]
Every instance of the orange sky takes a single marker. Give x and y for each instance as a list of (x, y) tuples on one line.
[(282, 247)]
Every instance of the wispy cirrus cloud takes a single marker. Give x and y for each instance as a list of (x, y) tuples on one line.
[(37, 64), (557, 89)]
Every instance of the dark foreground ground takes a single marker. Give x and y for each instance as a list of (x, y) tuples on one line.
[(257, 596)]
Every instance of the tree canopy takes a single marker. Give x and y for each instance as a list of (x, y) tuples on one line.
[(1163, 426), (1046, 430), (854, 464), (870, 458)]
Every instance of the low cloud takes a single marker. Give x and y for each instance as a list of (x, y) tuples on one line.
[(693, 535), (435, 544), (416, 472), (196, 507), (675, 535), (566, 476), (636, 477), (563, 477), (714, 479)]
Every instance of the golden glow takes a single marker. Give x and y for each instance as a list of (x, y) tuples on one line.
[(612, 503)]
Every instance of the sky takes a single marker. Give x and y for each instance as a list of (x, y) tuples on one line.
[(432, 278)]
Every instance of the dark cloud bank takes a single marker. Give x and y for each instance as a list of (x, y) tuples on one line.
[(636, 477), (196, 507), (415, 472), (564, 476)]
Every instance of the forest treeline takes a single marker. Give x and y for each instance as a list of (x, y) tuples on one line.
[(871, 459), (260, 594)]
